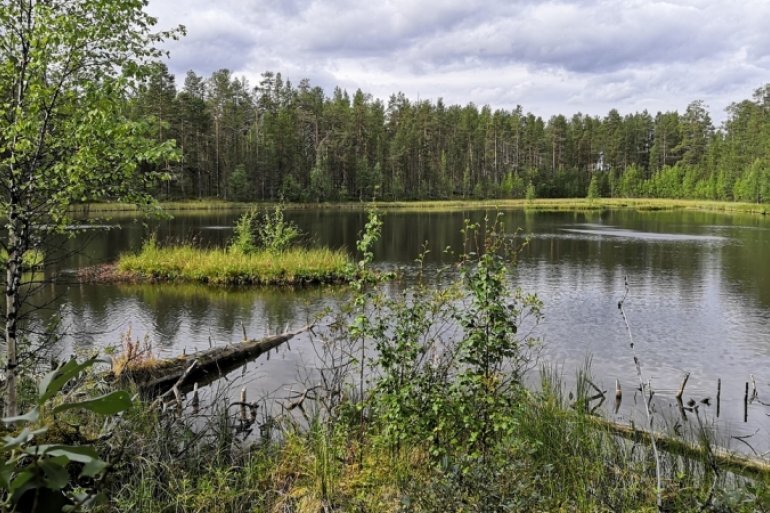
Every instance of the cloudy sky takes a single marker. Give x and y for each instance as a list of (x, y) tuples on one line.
[(549, 57)]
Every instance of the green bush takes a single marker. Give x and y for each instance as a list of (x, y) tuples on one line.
[(267, 230)]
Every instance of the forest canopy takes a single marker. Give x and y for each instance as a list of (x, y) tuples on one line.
[(296, 142)]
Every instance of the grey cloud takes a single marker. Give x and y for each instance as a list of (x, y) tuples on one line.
[(552, 56)]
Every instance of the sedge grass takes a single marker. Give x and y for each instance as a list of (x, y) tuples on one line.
[(295, 266)]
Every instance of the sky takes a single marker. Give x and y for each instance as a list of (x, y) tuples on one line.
[(550, 57)]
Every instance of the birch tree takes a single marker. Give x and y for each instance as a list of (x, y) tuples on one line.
[(66, 70)]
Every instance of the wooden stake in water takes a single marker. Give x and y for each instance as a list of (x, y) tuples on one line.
[(618, 396), (719, 395), (746, 404), (243, 405)]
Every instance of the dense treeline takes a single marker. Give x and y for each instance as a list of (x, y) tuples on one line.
[(278, 140)]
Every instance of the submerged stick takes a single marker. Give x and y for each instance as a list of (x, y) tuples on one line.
[(681, 387), (599, 391)]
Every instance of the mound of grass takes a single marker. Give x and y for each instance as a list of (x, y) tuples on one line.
[(294, 266)]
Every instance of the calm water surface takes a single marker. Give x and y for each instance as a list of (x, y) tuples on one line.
[(698, 302)]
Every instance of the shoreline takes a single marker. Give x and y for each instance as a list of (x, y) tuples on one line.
[(556, 204)]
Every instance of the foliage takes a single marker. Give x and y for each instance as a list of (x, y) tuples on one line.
[(531, 193), (275, 233), (303, 144), (448, 360), (594, 190), (556, 460), (245, 233), (32, 259), (66, 134), (39, 476), (268, 231)]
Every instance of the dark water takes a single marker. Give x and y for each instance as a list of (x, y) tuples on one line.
[(698, 301)]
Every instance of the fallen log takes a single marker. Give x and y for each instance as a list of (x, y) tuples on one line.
[(734, 462), (157, 377)]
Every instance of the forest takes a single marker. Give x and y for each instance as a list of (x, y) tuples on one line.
[(277, 140)]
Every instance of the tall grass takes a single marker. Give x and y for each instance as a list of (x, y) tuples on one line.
[(556, 460)]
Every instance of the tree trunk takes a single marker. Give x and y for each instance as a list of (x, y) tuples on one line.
[(13, 301)]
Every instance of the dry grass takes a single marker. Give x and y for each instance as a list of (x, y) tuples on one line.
[(134, 354)]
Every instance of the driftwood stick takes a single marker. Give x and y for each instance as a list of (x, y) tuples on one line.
[(682, 409), (599, 391), (178, 397), (175, 388), (299, 399), (681, 387), (243, 405), (596, 397)]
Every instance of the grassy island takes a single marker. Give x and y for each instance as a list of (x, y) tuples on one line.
[(263, 252), (294, 266)]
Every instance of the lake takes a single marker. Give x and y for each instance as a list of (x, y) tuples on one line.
[(698, 300)]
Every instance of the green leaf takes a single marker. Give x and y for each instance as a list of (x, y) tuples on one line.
[(29, 417), (19, 482), (108, 404), (25, 436), (56, 475), (94, 468), (6, 473), (54, 381), (82, 454)]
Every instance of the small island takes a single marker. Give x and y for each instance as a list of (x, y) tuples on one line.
[(264, 251)]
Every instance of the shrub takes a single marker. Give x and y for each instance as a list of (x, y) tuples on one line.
[(266, 230)]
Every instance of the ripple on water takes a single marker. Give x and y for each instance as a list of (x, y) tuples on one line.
[(608, 231)]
